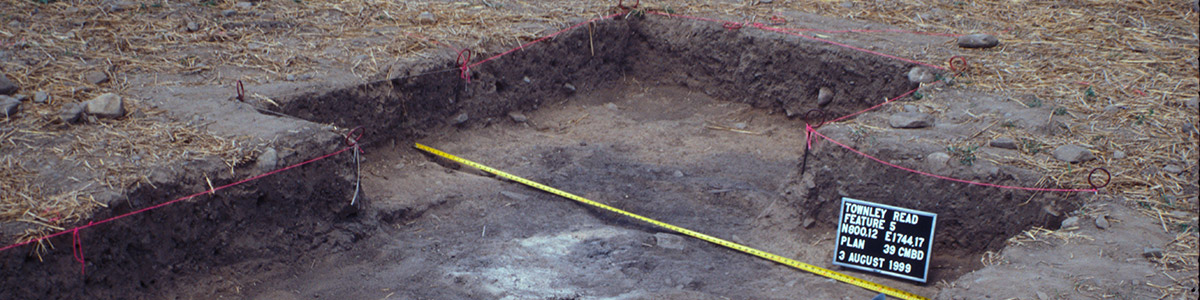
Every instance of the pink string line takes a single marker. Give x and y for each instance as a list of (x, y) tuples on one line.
[(784, 31), (75, 231), (544, 38), (874, 31), (814, 132), (885, 102)]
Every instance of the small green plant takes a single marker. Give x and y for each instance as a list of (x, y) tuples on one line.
[(917, 95), (1089, 94), (1060, 111), (1032, 146), (1034, 103), (209, 3), (1141, 118), (965, 155)]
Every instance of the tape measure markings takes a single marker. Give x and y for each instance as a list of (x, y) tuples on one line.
[(735, 246)]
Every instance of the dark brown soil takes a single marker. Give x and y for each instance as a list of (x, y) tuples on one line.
[(430, 230)]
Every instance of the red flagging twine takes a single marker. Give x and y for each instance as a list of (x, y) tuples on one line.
[(77, 245), (77, 249), (463, 61)]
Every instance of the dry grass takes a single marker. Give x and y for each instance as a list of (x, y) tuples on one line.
[(1138, 56)]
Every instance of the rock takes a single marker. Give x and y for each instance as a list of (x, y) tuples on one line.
[(911, 108), (910, 120), (569, 87), (107, 105), (1042, 295), (1111, 109), (1173, 169), (920, 75), (610, 105), (290, 77), (21, 97), (824, 96), (41, 97), (71, 113), (1151, 252), (267, 160), (668, 241), (1102, 222), (7, 87), (515, 195), (847, 4), (1118, 154), (228, 13), (937, 161), (978, 40), (677, 173), (9, 106), (96, 77), (740, 125), (1193, 103), (1003, 143), (192, 26), (1073, 153), (121, 6), (461, 118), (765, 1), (244, 4), (426, 18), (518, 117), (1070, 222), (808, 222)]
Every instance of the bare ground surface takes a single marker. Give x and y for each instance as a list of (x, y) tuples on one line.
[(184, 132)]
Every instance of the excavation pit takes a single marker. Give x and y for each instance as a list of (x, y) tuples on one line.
[(690, 123)]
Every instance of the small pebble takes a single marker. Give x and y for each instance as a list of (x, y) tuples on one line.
[(610, 105), (1151, 252), (911, 108), (515, 195), (518, 117), (677, 173), (569, 87), (740, 125), (461, 118), (426, 18), (244, 4), (1003, 143), (824, 96), (937, 161), (267, 160), (911, 120), (71, 113), (9, 106), (96, 77), (847, 4), (1102, 222), (290, 77), (192, 26), (41, 97), (228, 12), (1118, 154), (668, 241), (7, 87), (920, 75), (978, 40), (1073, 153), (808, 222), (1173, 169), (1070, 222)]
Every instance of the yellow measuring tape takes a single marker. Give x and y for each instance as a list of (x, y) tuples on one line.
[(735, 246)]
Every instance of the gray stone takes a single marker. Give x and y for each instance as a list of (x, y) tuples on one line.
[(677, 173), (1173, 169), (978, 40), (71, 113), (267, 160), (21, 97), (569, 87), (7, 87), (107, 105), (1193, 103), (1118, 154), (96, 77), (1073, 153), (9, 106), (1102, 222), (228, 13), (910, 120), (920, 75), (1070, 222), (824, 96), (1042, 295), (290, 77), (847, 4), (937, 161), (1003, 143), (765, 1), (426, 18), (41, 97), (611, 106), (911, 108), (515, 195), (244, 4), (668, 241), (518, 117), (1151, 252), (461, 118), (740, 125), (808, 222), (192, 26), (121, 6)]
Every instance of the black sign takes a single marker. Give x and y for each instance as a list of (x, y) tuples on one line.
[(884, 239)]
